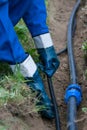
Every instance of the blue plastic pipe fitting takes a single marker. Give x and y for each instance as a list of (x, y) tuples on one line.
[(73, 90)]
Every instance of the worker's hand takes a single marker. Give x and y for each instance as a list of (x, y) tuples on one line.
[(47, 54), (49, 60), (37, 85), (29, 71)]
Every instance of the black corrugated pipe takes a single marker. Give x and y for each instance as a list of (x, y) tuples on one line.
[(73, 93)]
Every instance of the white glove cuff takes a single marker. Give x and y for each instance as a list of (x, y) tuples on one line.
[(43, 41), (26, 68)]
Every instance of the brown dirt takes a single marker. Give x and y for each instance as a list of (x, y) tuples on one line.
[(59, 12)]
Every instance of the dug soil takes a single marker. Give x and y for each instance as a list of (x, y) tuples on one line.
[(59, 13)]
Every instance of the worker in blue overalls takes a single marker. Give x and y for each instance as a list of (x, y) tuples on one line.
[(34, 15)]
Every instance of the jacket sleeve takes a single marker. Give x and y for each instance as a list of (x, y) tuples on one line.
[(11, 50)]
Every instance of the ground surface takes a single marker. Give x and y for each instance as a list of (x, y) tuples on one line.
[(59, 12), (59, 15)]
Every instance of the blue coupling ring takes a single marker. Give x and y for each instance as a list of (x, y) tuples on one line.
[(73, 90)]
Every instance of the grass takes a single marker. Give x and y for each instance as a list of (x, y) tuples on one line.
[(13, 89), (84, 109), (84, 48), (15, 92)]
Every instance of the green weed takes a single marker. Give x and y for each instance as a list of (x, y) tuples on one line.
[(84, 48), (84, 109)]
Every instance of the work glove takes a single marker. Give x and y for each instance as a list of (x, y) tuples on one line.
[(43, 101), (47, 54), (29, 70)]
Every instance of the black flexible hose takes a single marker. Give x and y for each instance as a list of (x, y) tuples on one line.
[(62, 51), (57, 118)]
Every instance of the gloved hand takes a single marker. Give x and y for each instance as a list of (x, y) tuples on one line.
[(46, 53), (36, 84), (49, 60), (29, 70)]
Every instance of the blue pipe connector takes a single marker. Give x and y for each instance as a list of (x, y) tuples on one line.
[(73, 90)]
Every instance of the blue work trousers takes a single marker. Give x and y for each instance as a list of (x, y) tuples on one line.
[(34, 15)]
